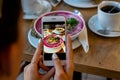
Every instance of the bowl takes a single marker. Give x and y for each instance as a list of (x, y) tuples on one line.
[(74, 32)]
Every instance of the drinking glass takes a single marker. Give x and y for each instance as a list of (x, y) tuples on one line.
[(32, 7)]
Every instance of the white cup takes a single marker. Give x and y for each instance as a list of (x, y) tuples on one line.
[(109, 20), (32, 7)]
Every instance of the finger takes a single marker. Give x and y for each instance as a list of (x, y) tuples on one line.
[(38, 53), (57, 63), (49, 74), (43, 66), (69, 49), (69, 63)]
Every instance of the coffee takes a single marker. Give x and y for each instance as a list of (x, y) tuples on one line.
[(110, 9)]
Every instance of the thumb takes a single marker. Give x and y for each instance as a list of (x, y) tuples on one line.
[(57, 63)]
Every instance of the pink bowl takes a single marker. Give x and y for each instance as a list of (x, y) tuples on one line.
[(67, 14)]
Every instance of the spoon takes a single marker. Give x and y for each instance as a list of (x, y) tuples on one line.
[(107, 31), (77, 12), (113, 8), (102, 31)]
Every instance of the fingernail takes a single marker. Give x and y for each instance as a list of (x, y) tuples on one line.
[(39, 41), (54, 56)]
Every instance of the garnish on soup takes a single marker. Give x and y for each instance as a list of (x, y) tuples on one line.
[(71, 23)]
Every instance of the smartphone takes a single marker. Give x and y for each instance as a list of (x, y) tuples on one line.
[(54, 38)]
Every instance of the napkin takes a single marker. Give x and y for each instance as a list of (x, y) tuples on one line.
[(83, 39)]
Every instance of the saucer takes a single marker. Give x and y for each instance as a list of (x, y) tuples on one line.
[(81, 4), (94, 26), (34, 41), (47, 8)]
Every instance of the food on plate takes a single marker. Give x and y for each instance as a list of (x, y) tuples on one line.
[(59, 30), (52, 43), (71, 23), (53, 40), (34, 33)]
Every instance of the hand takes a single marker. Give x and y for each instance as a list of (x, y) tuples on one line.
[(31, 70), (60, 73)]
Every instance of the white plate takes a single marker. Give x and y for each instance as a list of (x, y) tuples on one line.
[(81, 4), (47, 8), (34, 41), (94, 26)]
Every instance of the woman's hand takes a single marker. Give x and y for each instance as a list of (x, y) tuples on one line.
[(60, 73), (31, 71)]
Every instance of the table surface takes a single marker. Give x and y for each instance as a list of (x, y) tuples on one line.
[(103, 57)]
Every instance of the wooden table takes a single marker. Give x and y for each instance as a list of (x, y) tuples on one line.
[(103, 57)]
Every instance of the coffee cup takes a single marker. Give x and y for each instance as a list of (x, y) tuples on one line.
[(32, 7), (109, 15)]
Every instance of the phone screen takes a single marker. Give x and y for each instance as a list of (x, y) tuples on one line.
[(54, 40)]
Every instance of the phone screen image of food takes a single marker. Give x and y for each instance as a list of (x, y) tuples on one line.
[(54, 40)]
